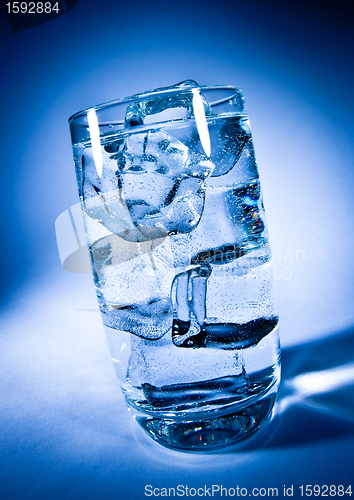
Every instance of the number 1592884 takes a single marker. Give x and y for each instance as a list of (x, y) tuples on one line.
[(32, 7), (325, 491)]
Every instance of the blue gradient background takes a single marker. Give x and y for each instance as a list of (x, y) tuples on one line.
[(65, 432)]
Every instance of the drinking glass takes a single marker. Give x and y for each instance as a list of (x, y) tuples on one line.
[(178, 240)]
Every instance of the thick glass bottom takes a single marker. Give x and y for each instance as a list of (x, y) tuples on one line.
[(175, 400), (211, 432)]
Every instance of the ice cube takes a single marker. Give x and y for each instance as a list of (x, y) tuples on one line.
[(161, 363), (161, 183), (135, 281), (228, 139), (142, 111), (216, 236), (150, 320), (100, 195)]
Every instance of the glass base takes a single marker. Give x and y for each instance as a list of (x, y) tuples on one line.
[(212, 432)]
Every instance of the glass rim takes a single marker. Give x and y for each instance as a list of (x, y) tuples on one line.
[(162, 91)]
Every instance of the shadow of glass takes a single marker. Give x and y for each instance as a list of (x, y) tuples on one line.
[(315, 401)]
